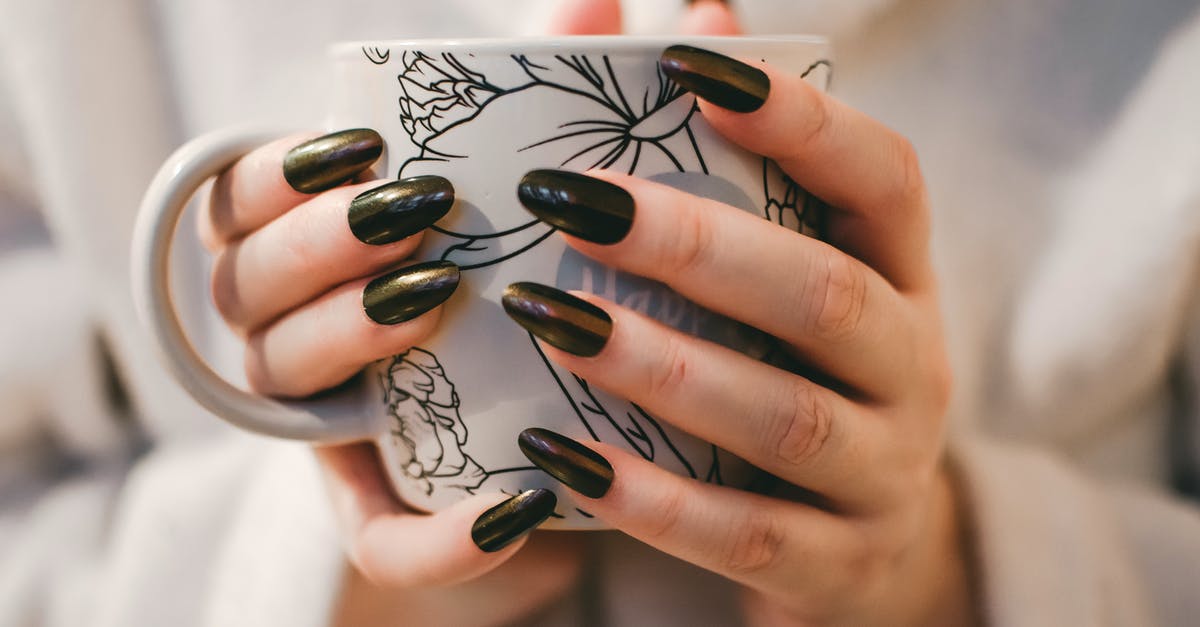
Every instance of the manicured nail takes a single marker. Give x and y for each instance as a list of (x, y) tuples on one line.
[(399, 209), (503, 524), (562, 320), (581, 205), (699, 1), (575, 465), (330, 160), (723, 81), (409, 292)]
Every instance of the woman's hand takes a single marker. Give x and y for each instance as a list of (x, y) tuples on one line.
[(863, 530), (310, 269)]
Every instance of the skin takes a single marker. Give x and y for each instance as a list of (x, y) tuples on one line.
[(862, 528)]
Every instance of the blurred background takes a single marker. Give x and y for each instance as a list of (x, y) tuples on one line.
[(1065, 236)]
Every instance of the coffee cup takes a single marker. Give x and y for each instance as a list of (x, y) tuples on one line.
[(445, 414)]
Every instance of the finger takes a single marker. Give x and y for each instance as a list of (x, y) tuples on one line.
[(768, 544), (326, 341), (840, 314), (395, 547), (709, 17), (867, 172), (781, 423), (587, 17), (280, 175), (340, 235)]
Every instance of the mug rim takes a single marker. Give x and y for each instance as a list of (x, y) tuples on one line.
[(582, 42)]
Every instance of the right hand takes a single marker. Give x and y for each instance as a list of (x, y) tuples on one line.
[(292, 276)]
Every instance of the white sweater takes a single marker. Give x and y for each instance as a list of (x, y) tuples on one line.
[(1061, 141)]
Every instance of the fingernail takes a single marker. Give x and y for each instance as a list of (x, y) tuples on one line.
[(399, 209), (690, 2), (330, 160), (580, 205), (501, 525), (409, 292), (562, 320), (575, 465), (723, 81)]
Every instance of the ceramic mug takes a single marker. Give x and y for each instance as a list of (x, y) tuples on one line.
[(446, 414)]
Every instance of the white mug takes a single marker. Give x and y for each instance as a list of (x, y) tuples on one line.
[(446, 414)]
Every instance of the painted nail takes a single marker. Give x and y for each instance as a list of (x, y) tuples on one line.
[(409, 292), (503, 524), (719, 79), (575, 465), (399, 209), (562, 320), (330, 160), (580, 205)]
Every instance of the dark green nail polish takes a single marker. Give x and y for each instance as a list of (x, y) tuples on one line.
[(580, 205), (330, 160), (409, 292), (562, 320), (501, 525), (399, 209), (575, 465), (719, 79)]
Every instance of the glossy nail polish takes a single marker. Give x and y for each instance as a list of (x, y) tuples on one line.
[(560, 319), (575, 465), (399, 209), (330, 160), (580, 205), (719, 79), (406, 293), (503, 524)]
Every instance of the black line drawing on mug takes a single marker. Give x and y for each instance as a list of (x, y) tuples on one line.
[(424, 407), (628, 125), (377, 55), (442, 92)]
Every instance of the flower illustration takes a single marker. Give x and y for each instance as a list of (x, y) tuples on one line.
[(625, 125), (439, 92), (572, 112), (427, 424), (587, 116)]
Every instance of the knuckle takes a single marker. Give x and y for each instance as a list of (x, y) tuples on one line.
[(692, 246), (258, 373), (806, 427), (668, 514), (863, 563), (840, 292), (910, 184), (818, 119), (672, 371), (301, 250), (224, 292), (754, 545), (284, 375), (218, 219)]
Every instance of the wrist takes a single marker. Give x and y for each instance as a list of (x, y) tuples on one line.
[(943, 562)]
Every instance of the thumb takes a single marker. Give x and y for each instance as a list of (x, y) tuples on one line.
[(587, 17), (709, 17)]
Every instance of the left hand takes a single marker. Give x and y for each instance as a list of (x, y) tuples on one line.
[(865, 531)]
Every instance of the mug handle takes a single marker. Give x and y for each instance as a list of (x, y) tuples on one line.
[(345, 415)]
